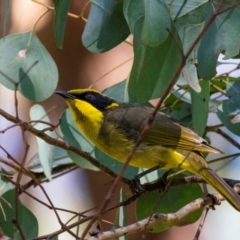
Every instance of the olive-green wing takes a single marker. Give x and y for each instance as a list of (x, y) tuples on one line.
[(131, 118), (172, 134)]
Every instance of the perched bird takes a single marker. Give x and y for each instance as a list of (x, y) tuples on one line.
[(114, 127)]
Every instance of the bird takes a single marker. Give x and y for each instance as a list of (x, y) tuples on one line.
[(114, 127)]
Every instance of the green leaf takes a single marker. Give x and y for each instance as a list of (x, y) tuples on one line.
[(223, 34), (200, 107), (118, 92), (60, 157), (153, 67), (106, 26), (233, 127), (45, 150), (61, 13), (188, 35), (208, 50), (229, 111), (181, 111), (27, 221), (18, 53), (122, 213), (155, 25), (170, 202), (133, 11), (185, 9), (72, 135)]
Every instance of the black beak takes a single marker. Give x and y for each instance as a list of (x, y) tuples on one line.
[(65, 94)]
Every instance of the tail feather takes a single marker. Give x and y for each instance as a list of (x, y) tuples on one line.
[(221, 186)]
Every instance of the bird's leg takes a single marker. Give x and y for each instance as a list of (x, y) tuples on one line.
[(161, 184), (136, 186)]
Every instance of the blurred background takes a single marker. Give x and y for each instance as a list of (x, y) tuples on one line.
[(78, 68)]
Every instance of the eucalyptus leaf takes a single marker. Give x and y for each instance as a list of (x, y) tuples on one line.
[(155, 25), (26, 220), (122, 213), (229, 111), (174, 199), (200, 108), (133, 10), (151, 71), (6, 12), (183, 8), (106, 26), (218, 37), (18, 55), (118, 92), (61, 13), (45, 150), (60, 157)]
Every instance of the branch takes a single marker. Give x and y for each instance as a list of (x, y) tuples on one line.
[(40, 133), (147, 223)]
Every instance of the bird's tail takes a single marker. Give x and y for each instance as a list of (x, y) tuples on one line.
[(221, 186)]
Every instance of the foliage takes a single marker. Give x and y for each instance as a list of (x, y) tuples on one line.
[(176, 46)]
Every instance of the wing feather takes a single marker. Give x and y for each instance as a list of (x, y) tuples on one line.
[(165, 131)]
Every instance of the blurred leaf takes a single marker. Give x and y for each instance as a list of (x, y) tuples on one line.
[(170, 202), (233, 127), (61, 8), (5, 185), (6, 13), (218, 37), (213, 105), (72, 135), (118, 92), (122, 213), (221, 82), (18, 53), (45, 150), (27, 221), (151, 71), (200, 108), (232, 106), (106, 26), (229, 111), (155, 25), (60, 157)]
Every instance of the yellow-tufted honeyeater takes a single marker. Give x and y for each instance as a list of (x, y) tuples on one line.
[(114, 128)]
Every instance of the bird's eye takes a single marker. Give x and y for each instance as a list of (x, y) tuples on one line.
[(89, 96)]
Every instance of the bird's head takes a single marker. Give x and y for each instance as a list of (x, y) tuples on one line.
[(87, 100)]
